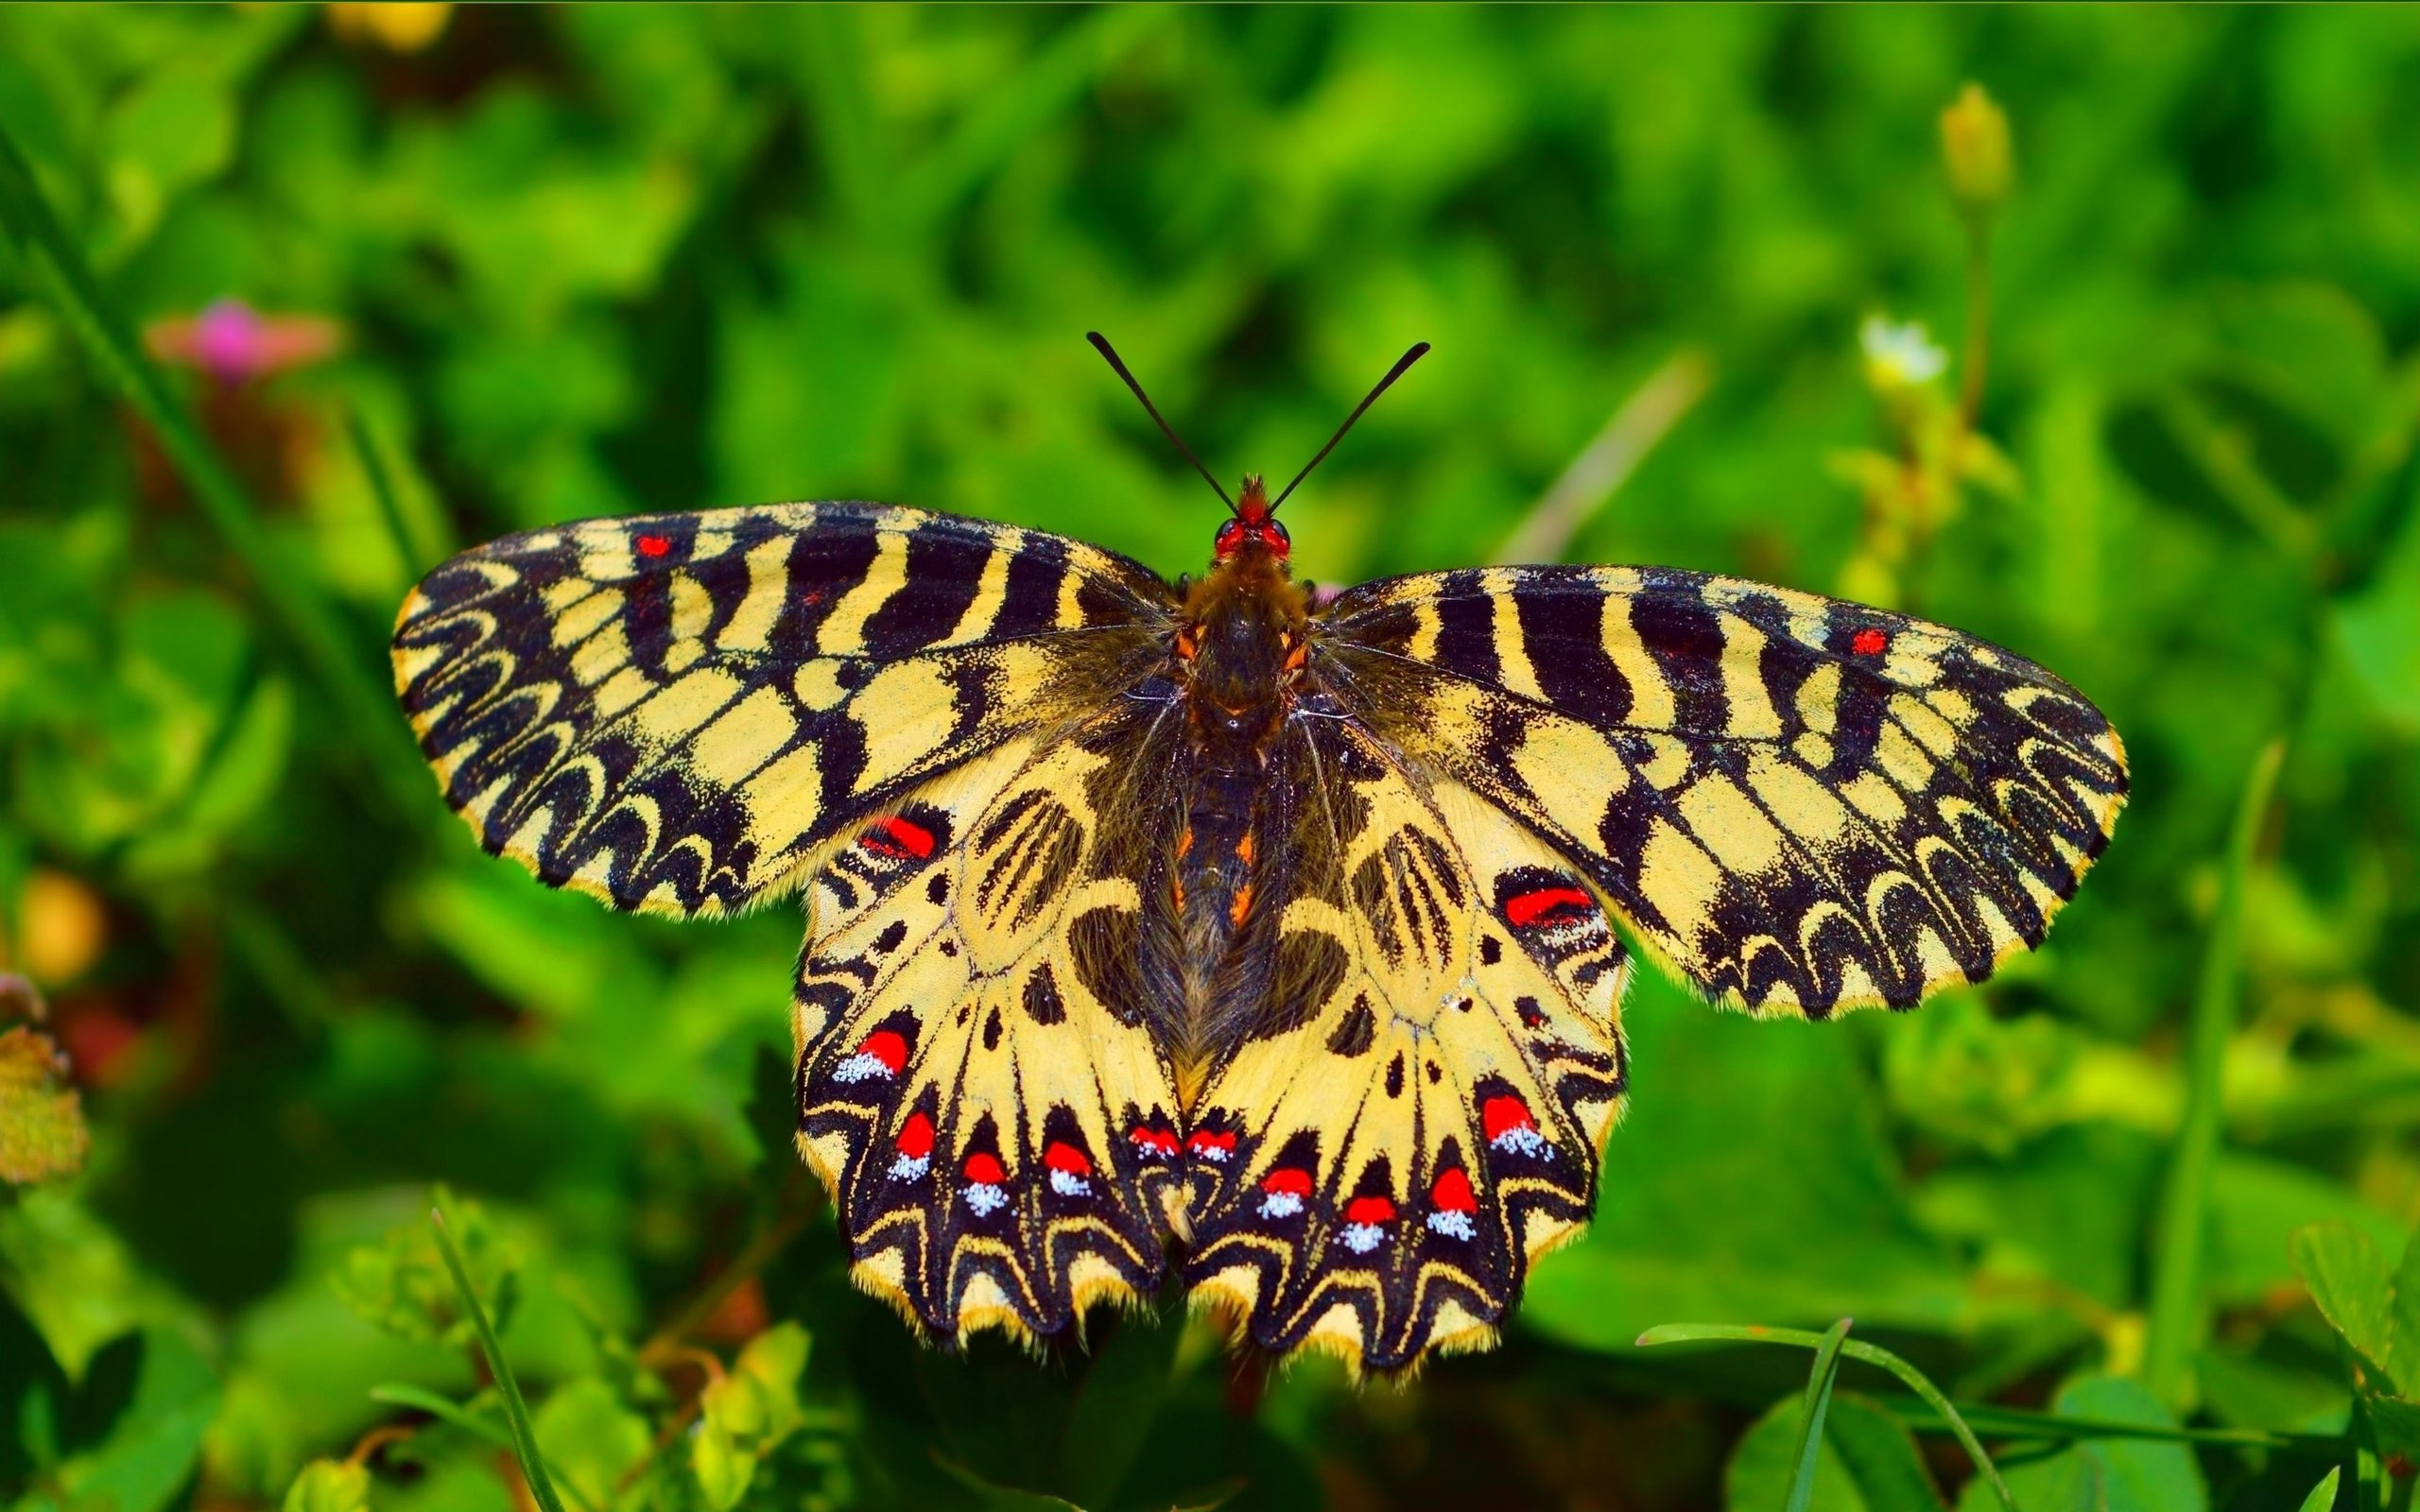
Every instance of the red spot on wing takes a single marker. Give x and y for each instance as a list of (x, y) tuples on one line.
[(653, 546), (1158, 1142), (1204, 1140), (1502, 1114), (1062, 1156), (1524, 909), (1288, 1180), (887, 1046), (895, 837), (1371, 1209), (1869, 642), (983, 1169), (916, 1137), (1451, 1192)]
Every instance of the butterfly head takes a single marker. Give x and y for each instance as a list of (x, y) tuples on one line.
[(1253, 526)]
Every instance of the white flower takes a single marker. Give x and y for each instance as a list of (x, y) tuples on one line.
[(1899, 354)]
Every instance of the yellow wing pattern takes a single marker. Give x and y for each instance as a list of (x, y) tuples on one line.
[(671, 713), (1420, 1113), (1804, 805), (979, 1088)]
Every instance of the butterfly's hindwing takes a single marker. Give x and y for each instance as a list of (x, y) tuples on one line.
[(1375, 1166), (1803, 804), (978, 1087), (672, 711)]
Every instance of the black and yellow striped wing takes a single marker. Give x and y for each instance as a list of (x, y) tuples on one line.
[(978, 1082), (919, 718), (1417, 1113), (1804, 805), (673, 713)]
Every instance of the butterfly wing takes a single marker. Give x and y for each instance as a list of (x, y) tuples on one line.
[(1417, 1114), (981, 1091), (1804, 805), (672, 713)]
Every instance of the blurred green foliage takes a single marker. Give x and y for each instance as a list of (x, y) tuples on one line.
[(593, 260)]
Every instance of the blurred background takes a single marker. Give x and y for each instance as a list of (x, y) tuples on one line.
[(2115, 361)]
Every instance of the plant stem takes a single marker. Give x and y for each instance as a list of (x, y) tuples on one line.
[(671, 1341), (516, 1412), (1856, 1350), (2177, 1321), (1979, 320)]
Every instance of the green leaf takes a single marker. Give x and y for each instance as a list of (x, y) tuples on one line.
[(1705, 1230), (589, 1439), (992, 1498), (1880, 1455), (1766, 1471), (175, 128), (77, 1281), (2349, 1282), (2108, 1474), (2377, 633), (723, 1468), (1115, 1407), (2322, 1496), (1866, 1461), (2140, 1476), (155, 1443), (1915, 1380), (747, 1412), (330, 1485), (2395, 1424), (402, 1283)]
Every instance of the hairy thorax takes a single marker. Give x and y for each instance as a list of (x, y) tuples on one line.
[(1240, 653)]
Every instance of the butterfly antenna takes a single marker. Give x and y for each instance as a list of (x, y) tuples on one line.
[(1100, 344), (1403, 364)]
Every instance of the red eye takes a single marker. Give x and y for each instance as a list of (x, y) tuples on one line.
[(1230, 536), (1273, 536)]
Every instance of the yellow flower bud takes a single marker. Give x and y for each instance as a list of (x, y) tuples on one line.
[(398, 25), (1975, 148)]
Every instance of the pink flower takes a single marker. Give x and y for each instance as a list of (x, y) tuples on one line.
[(234, 343)]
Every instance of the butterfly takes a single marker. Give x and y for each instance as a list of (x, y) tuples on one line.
[(1216, 929)]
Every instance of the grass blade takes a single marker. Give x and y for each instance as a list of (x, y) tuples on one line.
[(2177, 1322), (516, 1412), (2024, 1425), (58, 266), (1637, 427), (443, 1410), (1855, 1349), (2322, 1496), (1810, 1418), (416, 537)]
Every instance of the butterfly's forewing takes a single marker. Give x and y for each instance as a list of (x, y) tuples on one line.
[(1417, 1113), (980, 1089), (1805, 805), (672, 713)]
